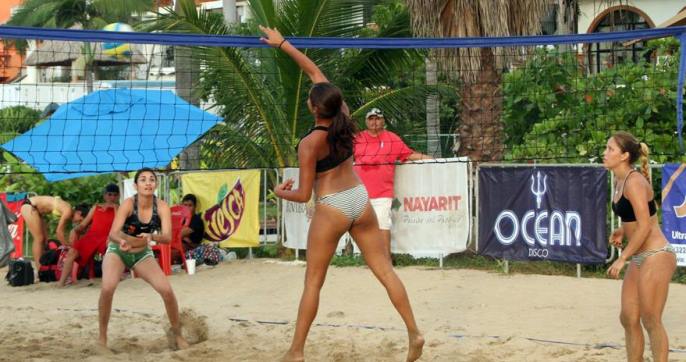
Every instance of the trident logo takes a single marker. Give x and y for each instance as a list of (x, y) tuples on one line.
[(539, 190)]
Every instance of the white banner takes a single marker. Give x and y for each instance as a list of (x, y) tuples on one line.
[(297, 217), (680, 250), (431, 208)]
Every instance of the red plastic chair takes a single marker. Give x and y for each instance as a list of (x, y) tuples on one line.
[(180, 218)]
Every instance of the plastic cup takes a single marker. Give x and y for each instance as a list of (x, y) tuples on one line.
[(190, 266)]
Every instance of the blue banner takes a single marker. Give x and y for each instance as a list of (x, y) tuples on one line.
[(674, 208), (543, 213)]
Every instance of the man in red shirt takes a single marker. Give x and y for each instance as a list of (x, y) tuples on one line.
[(376, 153)]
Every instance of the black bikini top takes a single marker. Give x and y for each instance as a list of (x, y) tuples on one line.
[(330, 161), (133, 225), (625, 211)]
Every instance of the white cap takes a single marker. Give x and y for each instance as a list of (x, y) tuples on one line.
[(374, 112)]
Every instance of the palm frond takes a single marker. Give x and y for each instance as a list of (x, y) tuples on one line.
[(231, 76), (121, 10)]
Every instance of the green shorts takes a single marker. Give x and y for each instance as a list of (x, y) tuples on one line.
[(129, 259)]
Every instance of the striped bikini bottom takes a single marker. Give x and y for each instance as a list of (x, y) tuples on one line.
[(350, 202), (638, 259)]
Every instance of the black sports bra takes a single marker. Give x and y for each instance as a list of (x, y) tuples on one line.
[(330, 161), (133, 225), (625, 211)]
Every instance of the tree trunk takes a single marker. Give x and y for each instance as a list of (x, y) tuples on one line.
[(433, 121), (480, 130), (88, 75), (567, 11), (187, 70)]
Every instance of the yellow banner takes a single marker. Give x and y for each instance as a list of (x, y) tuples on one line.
[(229, 205)]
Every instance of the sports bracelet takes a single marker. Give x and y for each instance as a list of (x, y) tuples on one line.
[(280, 44)]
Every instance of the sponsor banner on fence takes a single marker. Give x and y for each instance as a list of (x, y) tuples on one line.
[(14, 202), (229, 203), (430, 212), (674, 208), (297, 217), (543, 213)]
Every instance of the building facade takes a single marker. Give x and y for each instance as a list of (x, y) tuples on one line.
[(10, 60)]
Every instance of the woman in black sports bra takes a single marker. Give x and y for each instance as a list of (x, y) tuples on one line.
[(326, 167), (653, 261), (134, 227)]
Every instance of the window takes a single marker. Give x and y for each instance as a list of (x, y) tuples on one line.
[(620, 18)]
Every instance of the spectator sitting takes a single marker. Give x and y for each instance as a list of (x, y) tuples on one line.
[(193, 234)]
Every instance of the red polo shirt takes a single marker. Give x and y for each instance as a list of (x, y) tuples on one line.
[(375, 158)]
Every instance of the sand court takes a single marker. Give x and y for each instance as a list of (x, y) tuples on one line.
[(245, 311)]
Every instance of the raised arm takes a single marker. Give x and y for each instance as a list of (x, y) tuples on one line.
[(274, 39)]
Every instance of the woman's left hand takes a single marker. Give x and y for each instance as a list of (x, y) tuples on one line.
[(272, 37), (616, 267), (284, 186)]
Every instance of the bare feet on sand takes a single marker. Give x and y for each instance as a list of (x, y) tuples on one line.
[(101, 346), (415, 348), (293, 357), (181, 342)]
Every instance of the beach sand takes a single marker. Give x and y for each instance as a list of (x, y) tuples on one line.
[(245, 311)]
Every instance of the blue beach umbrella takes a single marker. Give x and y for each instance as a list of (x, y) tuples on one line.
[(112, 130)]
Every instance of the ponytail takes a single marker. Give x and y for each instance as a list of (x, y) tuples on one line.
[(643, 158), (638, 151), (341, 134), (328, 100)]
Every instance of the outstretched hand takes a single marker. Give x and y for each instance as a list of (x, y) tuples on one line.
[(272, 36)]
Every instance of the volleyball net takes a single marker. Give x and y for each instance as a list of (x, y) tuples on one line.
[(80, 102)]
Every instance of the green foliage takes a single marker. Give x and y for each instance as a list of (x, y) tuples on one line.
[(556, 112), (261, 93), (347, 260), (89, 14), (16, 120), (81, 190)]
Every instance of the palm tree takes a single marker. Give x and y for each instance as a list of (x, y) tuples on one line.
[(89, 14), (261, 92), (86, 14), (479, 70)]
